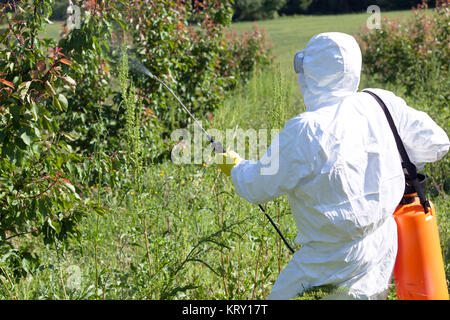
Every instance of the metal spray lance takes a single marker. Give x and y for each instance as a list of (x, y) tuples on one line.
[(139, 67)]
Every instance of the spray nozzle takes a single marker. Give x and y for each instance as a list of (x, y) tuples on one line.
[(139, 67)]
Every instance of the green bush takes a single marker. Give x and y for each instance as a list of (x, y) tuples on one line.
[(246, 52), (38, 194), (183, 44), (401, 51), (186, 46), (59, 10), (257, 9), (64, 121), (88, 47)]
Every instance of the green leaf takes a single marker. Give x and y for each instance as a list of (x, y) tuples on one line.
[(49, 88), (34, 111), (63, 101), (57, 104), (70, 82), (99, 210), (3, 135), (26, 135), (55, 225), (22, 89)]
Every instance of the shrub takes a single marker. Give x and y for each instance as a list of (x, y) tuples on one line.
[(185, 45), (37, 193), (257, 9), (246, 52), (182, 43), (63, 118), (89, 49), (400, 52)]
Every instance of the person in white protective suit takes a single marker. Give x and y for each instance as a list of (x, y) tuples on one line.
[(339, 166)]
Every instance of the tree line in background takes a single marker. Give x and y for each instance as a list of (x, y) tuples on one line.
[(268, 9)]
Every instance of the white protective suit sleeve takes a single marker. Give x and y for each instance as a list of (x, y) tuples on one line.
[(424, 140), (292, 156)]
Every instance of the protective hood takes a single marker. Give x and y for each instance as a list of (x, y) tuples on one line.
[(331, 69)]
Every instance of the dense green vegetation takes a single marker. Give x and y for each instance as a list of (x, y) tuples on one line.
[(107, 214)]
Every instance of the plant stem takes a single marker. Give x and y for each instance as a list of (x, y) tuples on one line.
[(279, 238), (96, 257), (62, 283), (5, 285), (220, 219), (147, 246), (256, 269), (98, 150)]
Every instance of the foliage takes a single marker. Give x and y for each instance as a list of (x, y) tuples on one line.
[(246, 52), (203, 244), (88, 47), (50, 102), (132, 117), (59, 10), (185, 45), (399, 52), (256, 10), (66, 136), (296, 6), (36, 163), (319, 292)]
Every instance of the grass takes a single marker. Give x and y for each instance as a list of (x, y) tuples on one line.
[(182, 232), (290, 34), (51, 31)]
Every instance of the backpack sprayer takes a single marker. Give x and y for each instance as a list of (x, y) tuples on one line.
[(419, 272), (139, 67)]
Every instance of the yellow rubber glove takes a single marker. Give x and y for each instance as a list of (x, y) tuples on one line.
[(226, 161)]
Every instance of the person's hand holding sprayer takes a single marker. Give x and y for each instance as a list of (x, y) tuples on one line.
[(226, 161)]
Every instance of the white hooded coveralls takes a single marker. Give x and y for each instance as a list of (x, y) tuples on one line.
[(341, 171)]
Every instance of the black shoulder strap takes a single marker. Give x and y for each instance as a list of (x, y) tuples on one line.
[(406, 162)]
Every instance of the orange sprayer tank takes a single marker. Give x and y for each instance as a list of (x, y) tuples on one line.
[(419, 269)]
